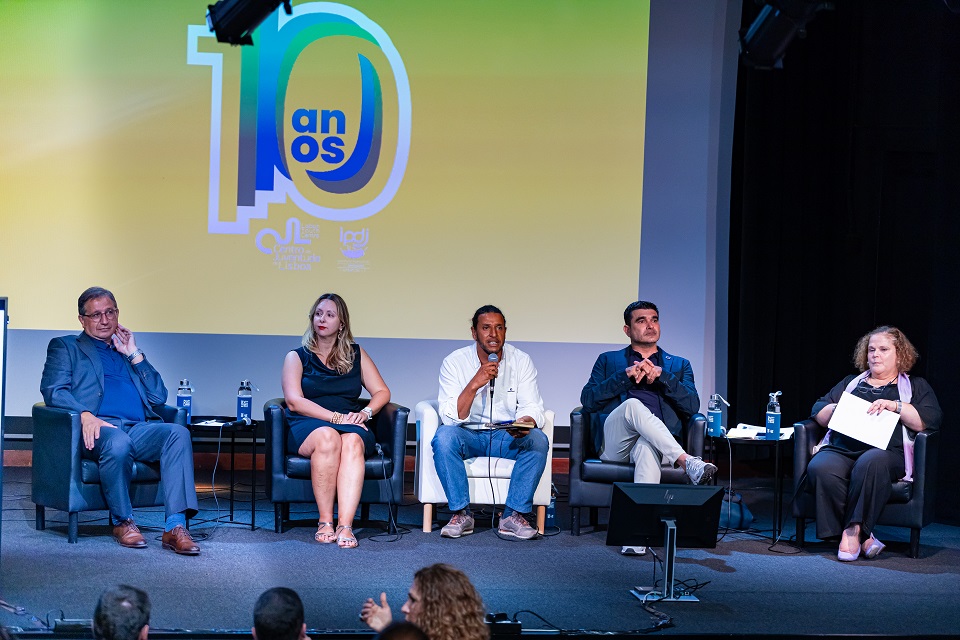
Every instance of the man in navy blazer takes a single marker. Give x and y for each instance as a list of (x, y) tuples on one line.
[(639, 398), (103, 376)]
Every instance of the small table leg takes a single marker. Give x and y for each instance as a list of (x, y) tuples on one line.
[(777, 495), (253, 479), (233, 449)]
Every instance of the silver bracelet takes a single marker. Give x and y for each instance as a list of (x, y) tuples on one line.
[(369, 412), (899, 406), (133, 356)]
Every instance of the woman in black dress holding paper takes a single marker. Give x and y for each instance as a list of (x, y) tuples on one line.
[(851, 480), (322, 381)]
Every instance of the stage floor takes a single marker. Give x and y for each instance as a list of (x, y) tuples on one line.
[(572, 582)]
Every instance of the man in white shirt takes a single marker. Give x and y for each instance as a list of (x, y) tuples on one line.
[(469, 379)]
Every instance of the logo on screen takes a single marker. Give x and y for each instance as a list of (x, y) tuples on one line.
[(354, 242), (323, 120)]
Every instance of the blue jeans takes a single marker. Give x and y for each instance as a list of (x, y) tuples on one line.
[(453, 444)]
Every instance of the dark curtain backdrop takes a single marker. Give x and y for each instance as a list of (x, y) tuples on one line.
[(845, 210)]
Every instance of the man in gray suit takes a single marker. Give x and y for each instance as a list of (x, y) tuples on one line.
[(103, 376)]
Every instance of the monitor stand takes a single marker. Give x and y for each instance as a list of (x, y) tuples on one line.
[(669, 593)]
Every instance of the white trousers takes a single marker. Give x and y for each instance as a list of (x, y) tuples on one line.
[(633, 433)]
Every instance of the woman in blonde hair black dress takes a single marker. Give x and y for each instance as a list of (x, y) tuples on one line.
[(322, 382)]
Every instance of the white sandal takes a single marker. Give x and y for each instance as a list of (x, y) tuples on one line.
[(325, 537), (344, 541)]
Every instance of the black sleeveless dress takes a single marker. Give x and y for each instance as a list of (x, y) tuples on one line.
[(330, 390)]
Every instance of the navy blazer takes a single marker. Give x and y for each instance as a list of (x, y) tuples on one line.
[(73, 377), (609, 385)]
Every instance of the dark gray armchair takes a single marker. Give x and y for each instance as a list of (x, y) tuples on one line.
[(64, 480), (288, 474), (911, 504), (591, 479)]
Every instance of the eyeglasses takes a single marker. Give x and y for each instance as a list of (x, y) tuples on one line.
[(110, 314), (872, 390)]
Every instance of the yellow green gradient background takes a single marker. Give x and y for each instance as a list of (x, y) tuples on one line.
[(523, 186)]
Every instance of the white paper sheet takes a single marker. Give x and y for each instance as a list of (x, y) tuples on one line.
[(752, 432), (851, 419)]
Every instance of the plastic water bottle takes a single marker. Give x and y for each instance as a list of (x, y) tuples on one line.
[(773, 417), (185, 398), (244, 402), (715, 416)]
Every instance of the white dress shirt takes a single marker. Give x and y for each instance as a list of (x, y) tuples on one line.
[(515, 393)]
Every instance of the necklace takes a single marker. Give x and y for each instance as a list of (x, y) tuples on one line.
[(881, 383)]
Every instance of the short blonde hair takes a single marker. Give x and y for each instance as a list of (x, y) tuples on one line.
[(907, 354)]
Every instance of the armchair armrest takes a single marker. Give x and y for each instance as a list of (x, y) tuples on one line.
[(696, 431), (806, 434), (925, 449), (427, 485), (579, 420), (274, 441), (57, 438), (389, 428), (174, 415)]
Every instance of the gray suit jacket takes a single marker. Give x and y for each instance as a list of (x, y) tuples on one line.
[(73, 377)]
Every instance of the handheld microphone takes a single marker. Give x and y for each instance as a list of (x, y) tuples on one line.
[(238, 423), (492, 358)]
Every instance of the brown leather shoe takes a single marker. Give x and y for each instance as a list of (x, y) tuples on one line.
[(127, 535), (179, 540)]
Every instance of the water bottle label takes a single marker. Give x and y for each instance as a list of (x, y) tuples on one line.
[(773, 426), (715, 423), (243, 407), (184, 402)]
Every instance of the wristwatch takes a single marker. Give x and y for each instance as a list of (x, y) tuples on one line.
[(133, 356), (369, 412)]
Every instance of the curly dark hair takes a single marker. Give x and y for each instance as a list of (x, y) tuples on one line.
[(450, 607), (907, 354)]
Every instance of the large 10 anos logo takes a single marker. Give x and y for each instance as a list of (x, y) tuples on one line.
[(317, 126)]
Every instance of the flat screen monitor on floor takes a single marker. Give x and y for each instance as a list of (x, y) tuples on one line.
[(638, 511), (674, 515)]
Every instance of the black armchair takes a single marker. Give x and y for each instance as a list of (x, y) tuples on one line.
[(591, 479), (911, 504), (288, 475), (64, 480)]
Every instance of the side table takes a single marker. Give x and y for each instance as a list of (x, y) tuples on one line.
[(778, 447), (221, 425)]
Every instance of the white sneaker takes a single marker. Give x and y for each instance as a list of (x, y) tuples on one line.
[(698, 471), (633, 551)]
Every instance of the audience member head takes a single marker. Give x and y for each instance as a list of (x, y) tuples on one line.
[(122, 613), (633, 306), (402, 631), (278, 615), (444, 603), (907, 354)]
